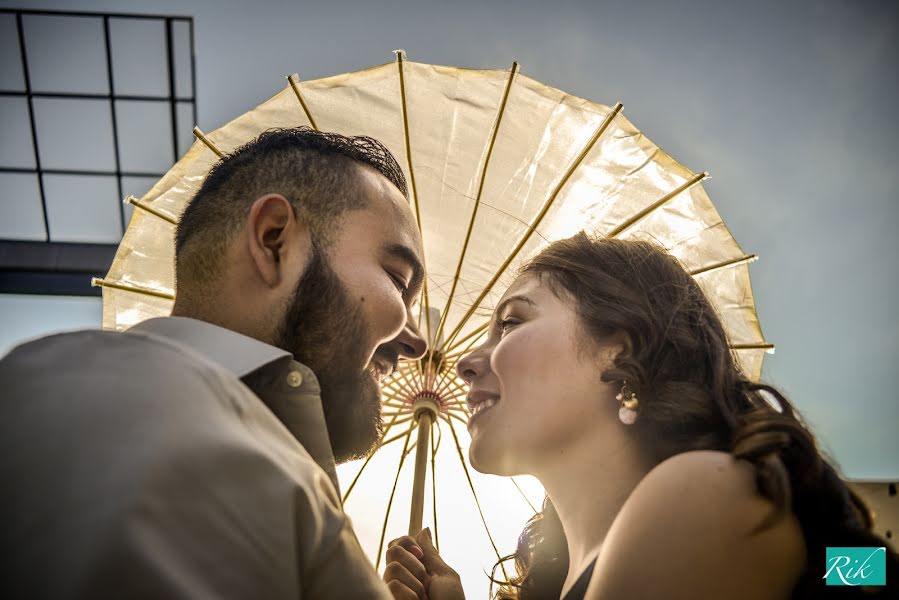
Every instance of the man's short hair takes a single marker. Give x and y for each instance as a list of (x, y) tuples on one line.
[(317, 172)]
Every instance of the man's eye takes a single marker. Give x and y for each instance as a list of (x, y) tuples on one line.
[(399, 283)]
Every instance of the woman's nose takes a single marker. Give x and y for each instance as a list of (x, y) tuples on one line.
[(468, 367)]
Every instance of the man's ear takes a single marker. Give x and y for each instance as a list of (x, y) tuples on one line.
[(278, 242)]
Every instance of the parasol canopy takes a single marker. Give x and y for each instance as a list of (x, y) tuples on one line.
[(498, 166)]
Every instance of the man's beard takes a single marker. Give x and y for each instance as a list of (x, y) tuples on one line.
[(325, 330)]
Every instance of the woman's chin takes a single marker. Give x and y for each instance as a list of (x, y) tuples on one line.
[(485, 461)]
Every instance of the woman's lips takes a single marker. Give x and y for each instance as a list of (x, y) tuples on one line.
[(481, 406)]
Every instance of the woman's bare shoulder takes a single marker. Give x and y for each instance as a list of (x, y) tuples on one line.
[(687, 531)]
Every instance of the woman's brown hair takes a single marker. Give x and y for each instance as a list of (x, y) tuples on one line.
[(693, 396)]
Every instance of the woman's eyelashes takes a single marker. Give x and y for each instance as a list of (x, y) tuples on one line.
[(503, 325)]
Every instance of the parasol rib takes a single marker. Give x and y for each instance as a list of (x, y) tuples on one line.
[(400, 58), (515, 483), (294, 80), (130, 287), (724, 265), (752, 347), (452, 413), (396, 437), (202, 137), (481, 329), (657, 204), (392, 494), (475, 494), (405, 383), (501, 111), (149, 209), (370, 456), (475, 336), (538, 219), (449, 384)]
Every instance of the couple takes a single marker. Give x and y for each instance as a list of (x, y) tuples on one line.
[(193, 456)]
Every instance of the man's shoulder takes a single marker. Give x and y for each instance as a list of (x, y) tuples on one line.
[(106, 370), (83, 349)]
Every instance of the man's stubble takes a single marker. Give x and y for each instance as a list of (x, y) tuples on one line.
[(325, 330)]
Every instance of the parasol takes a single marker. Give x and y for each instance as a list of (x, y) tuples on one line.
[(499, 165)]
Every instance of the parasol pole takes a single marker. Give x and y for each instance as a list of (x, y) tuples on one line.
[(425, 412)]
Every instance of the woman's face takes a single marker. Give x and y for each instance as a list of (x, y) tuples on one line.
[(535, 383)]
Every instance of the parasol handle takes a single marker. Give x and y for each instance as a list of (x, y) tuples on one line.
[(425, 411)]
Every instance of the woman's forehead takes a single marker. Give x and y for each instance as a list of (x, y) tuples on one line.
[(522, 285)]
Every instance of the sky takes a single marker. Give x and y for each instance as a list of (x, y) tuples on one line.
[(790, 106)]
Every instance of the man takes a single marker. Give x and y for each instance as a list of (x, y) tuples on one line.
[(193, 456)]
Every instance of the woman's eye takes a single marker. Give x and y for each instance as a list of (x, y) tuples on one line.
[(505, 324)]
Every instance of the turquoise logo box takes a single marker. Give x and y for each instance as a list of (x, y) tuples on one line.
[(856, 566)]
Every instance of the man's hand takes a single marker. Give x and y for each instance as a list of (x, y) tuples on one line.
[(416, 571)]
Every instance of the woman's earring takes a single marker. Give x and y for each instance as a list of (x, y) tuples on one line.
[(628, 399)]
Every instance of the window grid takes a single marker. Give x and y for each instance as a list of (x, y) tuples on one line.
[(171, 99)]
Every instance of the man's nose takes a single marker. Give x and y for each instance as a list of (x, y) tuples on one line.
[(412, 344)]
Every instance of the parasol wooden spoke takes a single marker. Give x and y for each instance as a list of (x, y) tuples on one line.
[(724, 265), (501, 111), (761, 346), (149, 209), (400, 58), (198, 133), (657, 204), (396, 437), (451, 370), (515, 483), (475, 494), (455, 384), (381, 444), (406, 383), (457, 404), (449, 383), (395, 404), (452, 414), (462, 410), (538, 219), (477, 332), (130, 287), (294, 80)]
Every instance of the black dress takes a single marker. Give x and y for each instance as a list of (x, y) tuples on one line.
[(579, 588)]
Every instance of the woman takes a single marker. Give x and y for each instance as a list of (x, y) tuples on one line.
[(608, 376)]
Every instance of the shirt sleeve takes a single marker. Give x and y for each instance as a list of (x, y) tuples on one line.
[(219, 520), (158, 480)]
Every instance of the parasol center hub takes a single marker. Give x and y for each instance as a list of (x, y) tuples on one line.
[(426, 402)]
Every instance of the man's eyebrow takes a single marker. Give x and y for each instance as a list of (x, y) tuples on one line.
[(406, 254), (510, 299)]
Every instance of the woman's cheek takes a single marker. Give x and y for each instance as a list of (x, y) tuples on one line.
[(510, 359)]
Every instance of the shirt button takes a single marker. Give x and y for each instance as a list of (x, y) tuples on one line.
[(294, 379)]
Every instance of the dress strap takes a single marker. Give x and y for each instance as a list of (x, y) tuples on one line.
[(579, 588)]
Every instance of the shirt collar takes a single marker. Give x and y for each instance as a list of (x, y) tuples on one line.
[(236, 352), (288, 388)]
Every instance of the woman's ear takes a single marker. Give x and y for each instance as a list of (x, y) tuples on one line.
[(616, 346)]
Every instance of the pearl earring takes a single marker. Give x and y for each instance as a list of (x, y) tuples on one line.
[(627, 414)]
